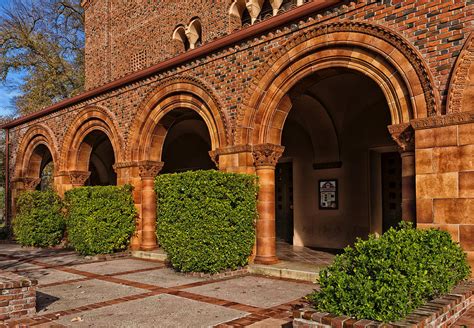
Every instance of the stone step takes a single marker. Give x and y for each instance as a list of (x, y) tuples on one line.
[(283, 269), (158, 254), (289, 270)]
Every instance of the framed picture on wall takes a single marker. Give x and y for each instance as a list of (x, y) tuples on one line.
[(328, 194)]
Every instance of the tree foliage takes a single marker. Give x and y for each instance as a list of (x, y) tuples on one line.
[(44, 40)]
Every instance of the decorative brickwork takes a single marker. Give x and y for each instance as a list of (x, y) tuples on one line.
[(441, 312), (17, 296)]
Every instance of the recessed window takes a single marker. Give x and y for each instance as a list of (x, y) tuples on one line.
[(189, 36)]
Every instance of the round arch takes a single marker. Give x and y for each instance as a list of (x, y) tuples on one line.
[(371, 50), (152, 122), (36, 136), (75, 155)]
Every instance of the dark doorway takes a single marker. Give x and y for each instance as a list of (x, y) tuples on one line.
[(284, 202), (391, 190)]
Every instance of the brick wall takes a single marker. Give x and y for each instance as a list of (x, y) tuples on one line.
[(17, 296)]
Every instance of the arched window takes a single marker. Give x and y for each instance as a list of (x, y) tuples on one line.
[(179, 35), (266, 11), (194, 33)]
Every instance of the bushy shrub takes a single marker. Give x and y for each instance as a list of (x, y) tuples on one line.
[(386, 278), (39, 220), (206, 219), (100, 220)]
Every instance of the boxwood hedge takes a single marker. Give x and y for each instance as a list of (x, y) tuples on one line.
[(100, 220), (206, 219), (386, 278), (39, 220)]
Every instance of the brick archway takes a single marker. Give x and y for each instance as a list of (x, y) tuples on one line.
[(382, 55), (36, 136), (372, 50), (73, 152), (151, 124)]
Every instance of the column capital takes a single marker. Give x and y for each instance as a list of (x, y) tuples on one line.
[(267, 154), (28, 183), (78, 178), (404, 135), (149, 169)]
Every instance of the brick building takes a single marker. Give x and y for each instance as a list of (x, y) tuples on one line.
[(354, 114)]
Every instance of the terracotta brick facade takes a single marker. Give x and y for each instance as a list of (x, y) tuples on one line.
[(419, 52)]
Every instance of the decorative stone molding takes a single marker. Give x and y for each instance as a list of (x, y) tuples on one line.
[(124, 165), (267, 154), (215, 154), (461, 80), (150, 169), (78, 178), (31, 183), (444, 120), (404, 136)]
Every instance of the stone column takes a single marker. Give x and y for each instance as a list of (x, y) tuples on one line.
[(404, 136), (265, 159), (148, 171)]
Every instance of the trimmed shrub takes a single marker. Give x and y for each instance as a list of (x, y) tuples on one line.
[(100, 220), (386, 278), (39, 220), (206, 219)]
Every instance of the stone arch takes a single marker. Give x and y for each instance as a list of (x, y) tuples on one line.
[(90, 119), (372, 50), (37, 135), (150, 128), (461, 87)]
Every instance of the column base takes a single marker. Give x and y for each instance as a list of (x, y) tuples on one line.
[(149, 248), (266, 260)]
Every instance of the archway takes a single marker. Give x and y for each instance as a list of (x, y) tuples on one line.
[(187, 143), (381, 55), (339, 176), (96, 155)]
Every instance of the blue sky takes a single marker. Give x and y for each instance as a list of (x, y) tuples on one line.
[(9, 89)]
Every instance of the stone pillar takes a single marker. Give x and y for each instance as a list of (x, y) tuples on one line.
[(265, 159), (148, 171), (404, 136)]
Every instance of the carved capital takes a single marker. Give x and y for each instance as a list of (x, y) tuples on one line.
[(149, 169), (31, 183), (214, 154), (404, 136), (267, 154), (78, 178)]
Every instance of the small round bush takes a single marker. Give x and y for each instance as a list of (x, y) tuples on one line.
[(39, 220), (206, 219), (100, 220), (386, 278)]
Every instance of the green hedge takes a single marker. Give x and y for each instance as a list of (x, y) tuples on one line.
[(388, 277), (100, 220), (206, 219), (39, 220)]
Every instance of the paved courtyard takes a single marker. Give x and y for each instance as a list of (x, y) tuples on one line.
[(126, 292)]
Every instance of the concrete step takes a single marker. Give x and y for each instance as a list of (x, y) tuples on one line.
[(286, 269), (158, 254)]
